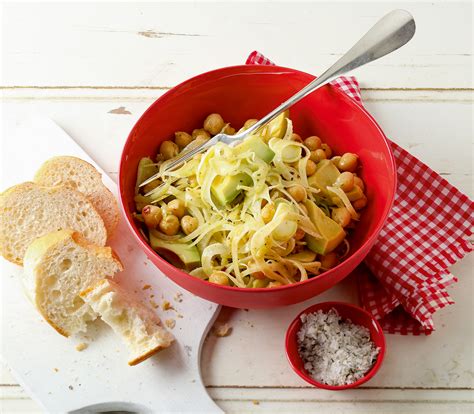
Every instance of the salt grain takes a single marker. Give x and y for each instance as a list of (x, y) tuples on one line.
[(335, 352)]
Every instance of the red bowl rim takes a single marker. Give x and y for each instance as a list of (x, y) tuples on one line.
[(203, 77), (291, 333)]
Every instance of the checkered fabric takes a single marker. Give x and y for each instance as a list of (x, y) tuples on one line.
[(404, 279)]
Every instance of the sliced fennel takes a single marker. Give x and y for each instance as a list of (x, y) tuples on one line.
[(225, 189)]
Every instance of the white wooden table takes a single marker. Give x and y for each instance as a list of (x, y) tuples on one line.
[(94, 68)]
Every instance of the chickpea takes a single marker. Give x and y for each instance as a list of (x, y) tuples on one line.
[(152, 216), (345, 181), (176, 207), (219, 278), (214, 124), (275, 284), (296, 137), (329, 260), (151, 186), (358, 181), (258, 275), (268, 212), (341, 216), (348, 162), (169, 225), (299, 234), (200, 140), (229, 130), (317, 155), (310, 168), (335, 160), (189, 224), (327, 150), (249, 123), (298, 192), (182, 139), (303, 207), (313, 142), (201, 133), (168, 150), (360, 203)]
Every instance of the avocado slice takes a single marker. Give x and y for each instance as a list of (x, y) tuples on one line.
[(146, 168), (331, 232), (305, 256), (178, 254), (355, 193), (277, 127), (255, 144), (224, 189), (325, 176)]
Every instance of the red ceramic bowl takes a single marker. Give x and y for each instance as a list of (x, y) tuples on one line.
[(243, 92), (359, 317)]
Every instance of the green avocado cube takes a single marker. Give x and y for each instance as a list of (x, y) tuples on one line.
[(255, 144), (178, 254), (325, 176), (332, 234), (226, 188)]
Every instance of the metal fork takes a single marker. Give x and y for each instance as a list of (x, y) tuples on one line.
[(390, 33)]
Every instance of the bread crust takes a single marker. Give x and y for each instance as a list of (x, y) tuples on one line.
[(145, 356), (109, 212)]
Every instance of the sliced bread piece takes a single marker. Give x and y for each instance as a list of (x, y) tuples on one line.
[(29, 211), (58, 267), (138, 325), (81, 176)]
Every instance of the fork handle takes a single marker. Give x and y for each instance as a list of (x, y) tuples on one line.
[(390, 33)]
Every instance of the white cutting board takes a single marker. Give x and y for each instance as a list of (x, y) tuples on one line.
[(48, 366)]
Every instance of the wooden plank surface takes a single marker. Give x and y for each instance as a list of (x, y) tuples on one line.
[(244, 359), (95, 67), (160, 44)]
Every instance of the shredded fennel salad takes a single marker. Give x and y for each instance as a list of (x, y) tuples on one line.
[(267, 212)]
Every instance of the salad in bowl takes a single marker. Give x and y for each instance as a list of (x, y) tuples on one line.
[(272, 210)]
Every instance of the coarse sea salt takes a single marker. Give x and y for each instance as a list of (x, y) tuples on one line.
[(335, 351)]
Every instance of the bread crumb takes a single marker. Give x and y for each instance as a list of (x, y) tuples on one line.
[(170, 323), (178, 297), (80, 347), (154, 304), (166, 306), (222, 330), (255, 402), (179, 316), (56, 369), (146, 287)]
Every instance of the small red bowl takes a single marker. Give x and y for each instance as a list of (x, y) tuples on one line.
[(357, 316)]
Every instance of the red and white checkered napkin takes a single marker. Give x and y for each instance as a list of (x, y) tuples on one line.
[(405, 276)]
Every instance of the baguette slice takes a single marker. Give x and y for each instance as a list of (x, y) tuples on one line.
[(138, 325), (29, 211), (58, 267), (81, 176)]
